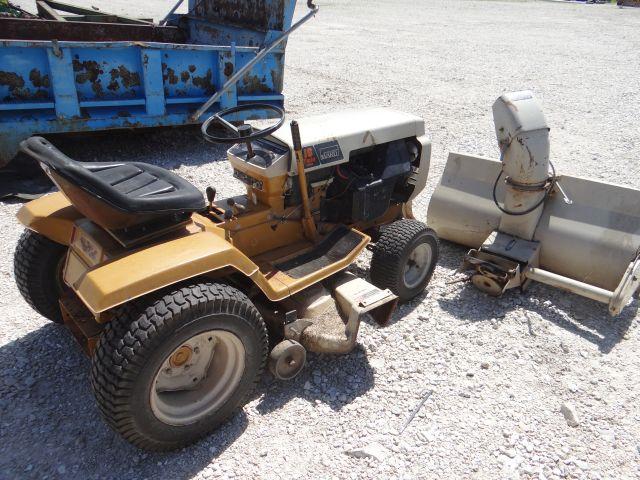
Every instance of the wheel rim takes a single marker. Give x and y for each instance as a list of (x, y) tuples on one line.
[(197, 377), (417, 266)]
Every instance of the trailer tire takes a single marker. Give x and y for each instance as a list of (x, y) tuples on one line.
[(37, 266), (139, 351), (404, 258)]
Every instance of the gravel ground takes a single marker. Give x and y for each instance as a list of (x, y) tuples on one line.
[(499, 370)]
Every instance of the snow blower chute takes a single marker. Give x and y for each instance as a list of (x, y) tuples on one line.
[(525, 222)]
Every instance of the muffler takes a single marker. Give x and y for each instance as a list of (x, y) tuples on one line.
[(524, 222), (334, 328)]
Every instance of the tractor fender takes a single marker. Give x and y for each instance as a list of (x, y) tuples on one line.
[(135, 274), (52, 216)]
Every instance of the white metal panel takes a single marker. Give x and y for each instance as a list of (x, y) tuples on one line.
[(593, 240), (353, 130)]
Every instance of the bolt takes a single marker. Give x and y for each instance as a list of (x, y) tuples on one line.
[(196, 350), (167, 371), (186, 367)]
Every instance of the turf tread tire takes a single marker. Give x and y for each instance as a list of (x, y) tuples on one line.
[(140, 326), (35, 264), (390, 253)]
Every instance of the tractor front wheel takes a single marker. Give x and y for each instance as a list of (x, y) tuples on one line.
[(170, 368), (404, 258)]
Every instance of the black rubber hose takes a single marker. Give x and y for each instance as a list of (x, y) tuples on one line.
[(530, 209)]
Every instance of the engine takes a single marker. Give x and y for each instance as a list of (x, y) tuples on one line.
[(374, 177)]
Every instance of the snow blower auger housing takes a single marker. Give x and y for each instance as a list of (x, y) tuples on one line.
[(177, 299), (525, 222)]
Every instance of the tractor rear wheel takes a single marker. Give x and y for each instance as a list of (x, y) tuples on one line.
[(404, 258), (37, 265), (170, 368)]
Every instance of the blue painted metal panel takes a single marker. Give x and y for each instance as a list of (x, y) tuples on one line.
[(64, 92), (55, 87), (226, 66), (153, 81)]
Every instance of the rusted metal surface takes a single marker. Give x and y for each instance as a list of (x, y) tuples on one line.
[(124, 77), (93, 73), (88, 71), (65, 7), (45, 11), (254, 84), (81, 322), (37, 79), (254, 14), (30, 29), (186, 78), (77, 76), (18, 87), (252, 64)]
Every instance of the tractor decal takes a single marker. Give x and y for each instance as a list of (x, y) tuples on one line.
[(321, 154)]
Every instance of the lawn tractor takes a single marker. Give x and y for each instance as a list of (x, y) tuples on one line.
[(524, 222), (180, 302)]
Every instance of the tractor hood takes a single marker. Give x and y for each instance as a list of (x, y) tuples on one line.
[(329, 139)]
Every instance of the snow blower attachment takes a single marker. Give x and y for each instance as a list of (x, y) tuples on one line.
[(524, 222)]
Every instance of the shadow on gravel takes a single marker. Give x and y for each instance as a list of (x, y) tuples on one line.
[(50, 426), (168, 147), (351, 377), (581, 316)]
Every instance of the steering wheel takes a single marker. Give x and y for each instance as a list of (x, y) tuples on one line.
[(245, 132)]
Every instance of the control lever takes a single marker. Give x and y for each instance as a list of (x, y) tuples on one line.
[(245, 130), (235, 207), (308, 224), (228, 215), (211, 195)]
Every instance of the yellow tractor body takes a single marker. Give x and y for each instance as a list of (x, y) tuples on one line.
[(177, 300), (104, 274)]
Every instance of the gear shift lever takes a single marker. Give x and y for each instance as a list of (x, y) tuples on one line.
[(244, 131)]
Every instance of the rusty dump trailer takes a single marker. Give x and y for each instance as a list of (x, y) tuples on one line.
[(106, 71)]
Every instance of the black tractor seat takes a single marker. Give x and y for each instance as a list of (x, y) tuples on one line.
[(117, 195)]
